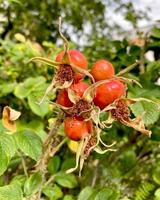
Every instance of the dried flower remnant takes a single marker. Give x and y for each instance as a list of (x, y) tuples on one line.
[(64, 74), (122, 114)]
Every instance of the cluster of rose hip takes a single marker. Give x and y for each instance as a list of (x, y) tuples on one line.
[(78, 123), (83, 94)]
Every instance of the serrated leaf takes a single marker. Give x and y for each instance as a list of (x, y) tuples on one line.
[(39, 109), (32, 184), (36, 126), (68, 197), (148, 110), (66, 180), (19, 179), (7, 151), (68, 163), (107, 194), (54, 164), (22, 90), (53, 192), (85, 193), (29, 143), (11, 192)]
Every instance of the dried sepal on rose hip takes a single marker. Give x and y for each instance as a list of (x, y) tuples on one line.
[(71, 66), (72, 101), (120, 111)]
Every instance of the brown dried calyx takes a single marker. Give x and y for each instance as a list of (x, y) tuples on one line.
[(81, 108), (64, 74), (121, 112), (88, 148)]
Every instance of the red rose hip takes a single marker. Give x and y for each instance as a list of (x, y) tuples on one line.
[(108, 92), (76, 128), (77, 58), (102, 70)]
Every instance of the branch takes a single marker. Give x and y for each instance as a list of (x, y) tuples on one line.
[(51, 142), (50, 148)]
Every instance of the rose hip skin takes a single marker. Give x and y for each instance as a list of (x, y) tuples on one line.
[(63, 99), (108, 92), (77, 58), (102, 70), (76, 128), (79, 88)]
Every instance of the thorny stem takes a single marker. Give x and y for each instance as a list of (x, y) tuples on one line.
[(50, 147)]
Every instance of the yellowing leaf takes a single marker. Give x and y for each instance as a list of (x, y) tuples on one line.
[(9, 117), (73, 146)]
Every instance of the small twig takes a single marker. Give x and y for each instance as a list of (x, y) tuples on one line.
[(49, 180), (62, 36), (54, 128), (57, 148), (142, 57), (127, 69), (95, 173), (41, 187), (23, 163)]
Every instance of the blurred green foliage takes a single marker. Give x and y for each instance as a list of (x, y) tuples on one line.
[(130, 173)]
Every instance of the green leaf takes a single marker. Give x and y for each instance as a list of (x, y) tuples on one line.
[(19, 179), (155, 32), (157, 194), (149, 110), (33, 183), (11, 192), (149, 93), (39, 109), (156, 176), (68, 163), (7, 150), (35, 125), (15, 1), (54, 164), (144, 191), (155, 133), (66, 180), (107, 194), (6, 88), (53, 193), (86, 193), (68, 197), (29, 143), (22, 90), (128, 161)]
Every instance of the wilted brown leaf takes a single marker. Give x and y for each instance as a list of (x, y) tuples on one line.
[(9, 117)]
